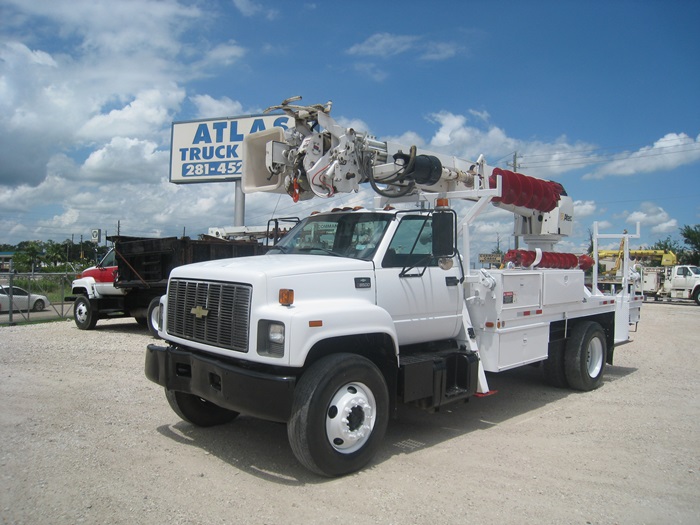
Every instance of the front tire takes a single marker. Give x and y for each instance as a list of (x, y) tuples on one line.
[(84, 314), (39, 306), (585, 356), (339, 415), (696, 296), (153, 316), (198, 411)]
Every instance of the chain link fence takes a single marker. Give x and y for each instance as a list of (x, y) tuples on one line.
[(29, 297)]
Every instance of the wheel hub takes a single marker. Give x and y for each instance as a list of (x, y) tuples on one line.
[(350, 417), (81, 313), (594, 357)]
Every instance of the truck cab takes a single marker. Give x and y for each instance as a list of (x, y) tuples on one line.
[(340, 273), (672, 282), (683, 282)]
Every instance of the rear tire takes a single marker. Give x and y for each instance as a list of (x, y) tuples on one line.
[(198, 411), (696, 296), (84, 314), (553, 368), (39, 306), (339, 415), (585, 356)]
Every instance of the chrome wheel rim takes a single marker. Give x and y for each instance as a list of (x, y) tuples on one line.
[(350, 418), (594, 357)]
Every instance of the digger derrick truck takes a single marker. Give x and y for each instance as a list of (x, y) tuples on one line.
[(356, 311)]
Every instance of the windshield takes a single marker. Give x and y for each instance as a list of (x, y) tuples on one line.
[(108, 260), (694, 269), (354, 235)]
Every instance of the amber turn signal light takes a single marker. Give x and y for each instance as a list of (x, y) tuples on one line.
[(286, 297)]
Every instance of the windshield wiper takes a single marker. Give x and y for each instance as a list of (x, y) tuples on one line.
[(321, 249)]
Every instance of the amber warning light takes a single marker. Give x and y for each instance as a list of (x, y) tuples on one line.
[(286, 297)]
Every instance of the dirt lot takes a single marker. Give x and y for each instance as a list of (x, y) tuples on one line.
[(85, 438)]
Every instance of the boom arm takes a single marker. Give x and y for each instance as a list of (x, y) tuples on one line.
[(320, 158)]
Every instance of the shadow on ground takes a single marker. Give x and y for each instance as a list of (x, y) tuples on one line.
[(260, 448)]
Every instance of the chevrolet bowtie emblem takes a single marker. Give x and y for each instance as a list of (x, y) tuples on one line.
[(199, 312)]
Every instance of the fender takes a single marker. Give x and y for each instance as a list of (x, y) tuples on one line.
[(89, 285), (313, 321)]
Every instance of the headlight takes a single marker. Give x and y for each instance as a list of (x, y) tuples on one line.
[(276, 333), (271, 338)]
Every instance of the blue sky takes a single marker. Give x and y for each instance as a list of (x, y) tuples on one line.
[(600, 96)]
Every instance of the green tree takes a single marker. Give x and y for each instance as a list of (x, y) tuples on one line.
[(691, 236), (55, 253), (497, 250), (28, 256), (670, 245)]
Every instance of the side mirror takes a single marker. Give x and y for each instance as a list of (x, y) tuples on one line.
[(444, 227)]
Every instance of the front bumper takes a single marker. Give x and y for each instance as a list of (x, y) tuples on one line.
[(264, 395)]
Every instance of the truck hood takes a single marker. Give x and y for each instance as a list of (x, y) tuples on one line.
[(270, 266)]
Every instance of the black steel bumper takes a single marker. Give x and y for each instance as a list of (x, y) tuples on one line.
[(263, 395)]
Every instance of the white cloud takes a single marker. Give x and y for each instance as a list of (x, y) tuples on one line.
[(356, 124), (148, 113), (439, 51), (384, 45), (671, 151), (17, 49), (387, 45), (248, 8), (125, 159), (584, 209), (481, 115), (109, 27), (209, 107), (468, 141), (539, 159), (651, 215), (372, 71), (222, 55)]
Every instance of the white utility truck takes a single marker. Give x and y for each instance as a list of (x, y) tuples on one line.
[(355, 310), (658, 270), (672, 282)]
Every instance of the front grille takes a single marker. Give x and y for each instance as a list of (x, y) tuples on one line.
[(213, 313)]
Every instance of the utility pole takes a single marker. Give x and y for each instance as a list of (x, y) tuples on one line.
[(515, 167), (514, 164)]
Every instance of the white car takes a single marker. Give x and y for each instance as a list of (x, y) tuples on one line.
[(21, 300)]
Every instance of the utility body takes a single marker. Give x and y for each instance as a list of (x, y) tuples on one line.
[(357, 310)]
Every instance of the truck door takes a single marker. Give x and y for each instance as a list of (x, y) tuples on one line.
[(682, 279), (424, 300)]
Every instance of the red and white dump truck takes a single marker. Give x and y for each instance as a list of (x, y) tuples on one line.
[(357, 310), (130, 279)]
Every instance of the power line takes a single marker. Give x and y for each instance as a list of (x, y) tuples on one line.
[(683, 141)]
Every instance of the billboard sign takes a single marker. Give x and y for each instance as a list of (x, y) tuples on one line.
[(211, 150), (490, 258)]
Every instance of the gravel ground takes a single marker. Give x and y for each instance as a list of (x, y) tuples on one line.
[(86, 438)]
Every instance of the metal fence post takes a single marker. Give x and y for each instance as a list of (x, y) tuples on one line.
[(9, 295)]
